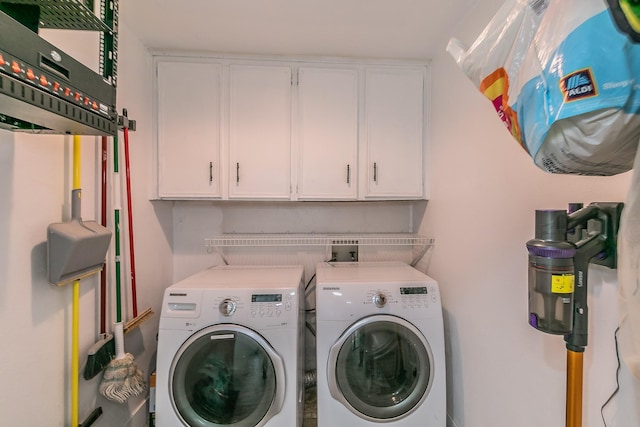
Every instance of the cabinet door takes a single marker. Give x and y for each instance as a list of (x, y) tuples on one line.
[(188, 125), (259, 132), (394, 116), (328, 133)]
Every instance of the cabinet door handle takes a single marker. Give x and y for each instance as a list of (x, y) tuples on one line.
[(348, 174), (375, 172), (237, 173), (210, 172)]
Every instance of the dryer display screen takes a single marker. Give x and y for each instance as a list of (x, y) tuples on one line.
[(417, 290), (266, 298)]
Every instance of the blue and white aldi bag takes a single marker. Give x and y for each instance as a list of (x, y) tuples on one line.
[(564, 78)]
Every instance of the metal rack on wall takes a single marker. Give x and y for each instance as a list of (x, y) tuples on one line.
[(43, 90), (421, 244), (79, 15)]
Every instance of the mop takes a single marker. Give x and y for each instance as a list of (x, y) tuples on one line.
[(122, 379)]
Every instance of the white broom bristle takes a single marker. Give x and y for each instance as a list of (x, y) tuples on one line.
[(122, 379)]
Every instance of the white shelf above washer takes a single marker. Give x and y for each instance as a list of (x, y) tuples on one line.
[(285, 239), (383, 245)]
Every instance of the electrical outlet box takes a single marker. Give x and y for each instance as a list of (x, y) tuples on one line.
[(344, 251)]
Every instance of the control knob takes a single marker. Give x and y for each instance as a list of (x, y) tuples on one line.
[(227, 307), (380, 299)]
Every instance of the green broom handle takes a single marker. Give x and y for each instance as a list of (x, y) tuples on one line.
[(116, 226)]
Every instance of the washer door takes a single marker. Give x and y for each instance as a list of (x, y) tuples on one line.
[(226, 375), (380, 368)]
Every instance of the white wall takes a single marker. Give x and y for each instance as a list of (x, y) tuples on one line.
[(35, 317), (195, 221), (484, 193), (485, 190)]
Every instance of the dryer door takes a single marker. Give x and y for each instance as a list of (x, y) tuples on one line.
[(226, 375), (380, 368)]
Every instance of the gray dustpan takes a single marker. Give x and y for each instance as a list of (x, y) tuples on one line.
[(76, 248)]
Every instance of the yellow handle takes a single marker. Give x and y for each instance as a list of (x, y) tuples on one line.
[(75, 310), (76, 162), (75, 365)]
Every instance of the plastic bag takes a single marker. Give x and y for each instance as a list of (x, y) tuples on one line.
[(562, 78)]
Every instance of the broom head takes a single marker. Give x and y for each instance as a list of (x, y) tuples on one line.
[(99, 356)]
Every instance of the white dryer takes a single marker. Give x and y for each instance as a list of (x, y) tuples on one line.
[(380, 346), (229, 349)]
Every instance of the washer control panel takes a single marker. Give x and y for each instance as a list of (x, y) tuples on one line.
[(270, 305), (267, 308)]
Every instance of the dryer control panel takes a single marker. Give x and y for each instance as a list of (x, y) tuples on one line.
[(418, 296), (375, 288), (406, 296)]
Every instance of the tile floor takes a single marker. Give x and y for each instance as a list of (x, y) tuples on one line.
[(310, 408)]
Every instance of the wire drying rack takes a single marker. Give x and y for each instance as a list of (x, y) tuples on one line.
[(421, 244)]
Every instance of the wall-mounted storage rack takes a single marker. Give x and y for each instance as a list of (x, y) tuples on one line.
[(44, 90), (422, 243)]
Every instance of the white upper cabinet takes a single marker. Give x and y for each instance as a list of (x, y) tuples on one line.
[(259, 132), (327, 134), (258, 129), (394, 132), (188, 129)]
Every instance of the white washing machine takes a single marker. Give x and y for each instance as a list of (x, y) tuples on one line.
[(380, 346), (230, 349)]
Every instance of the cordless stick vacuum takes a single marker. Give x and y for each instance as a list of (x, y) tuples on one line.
[(559, 256)]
